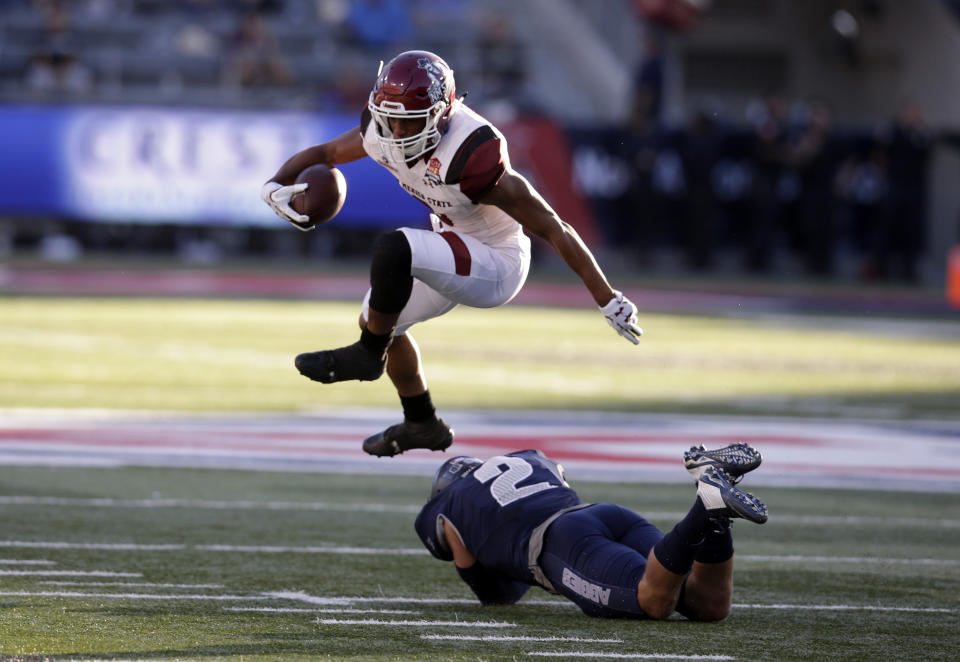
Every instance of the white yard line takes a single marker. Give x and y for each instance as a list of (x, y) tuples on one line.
[(497, 637), (313, 549), (796, 558), (346, 601), (923, 610), (17, 500), (126, 596), (300, 596), (626, 656), (110, 546), (418, 623), (25, 562), (320, 610), (320, 506), (138, 584), (69, 573), (417, 551)]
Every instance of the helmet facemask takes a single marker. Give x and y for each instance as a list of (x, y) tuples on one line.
[(401, 150)]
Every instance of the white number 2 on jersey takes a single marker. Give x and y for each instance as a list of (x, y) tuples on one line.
[(504, 489)]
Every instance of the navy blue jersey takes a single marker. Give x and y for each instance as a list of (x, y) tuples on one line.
[(495, 508)]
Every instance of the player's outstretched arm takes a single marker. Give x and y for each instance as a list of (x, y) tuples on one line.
[(514, 195), (278, 192), (342, 149)]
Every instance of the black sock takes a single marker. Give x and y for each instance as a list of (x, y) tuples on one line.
[(418, 408), (375, 343), (717, 545), (677, 549)]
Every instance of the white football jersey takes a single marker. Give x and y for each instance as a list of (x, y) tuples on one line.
[(469, 159)]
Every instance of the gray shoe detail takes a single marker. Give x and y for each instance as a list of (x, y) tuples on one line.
[(734, 460), (720, 497), (434, 435)]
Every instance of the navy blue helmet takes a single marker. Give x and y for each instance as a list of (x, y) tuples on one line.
[(453, 470)]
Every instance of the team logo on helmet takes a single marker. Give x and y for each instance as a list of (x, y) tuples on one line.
[(437, 90)]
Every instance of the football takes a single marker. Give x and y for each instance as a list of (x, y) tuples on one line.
[(324, 196)]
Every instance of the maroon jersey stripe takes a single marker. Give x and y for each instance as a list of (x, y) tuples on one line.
[(461, 254), (479, 136)]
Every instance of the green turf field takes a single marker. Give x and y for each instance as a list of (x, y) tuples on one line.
[(237, 558), (238, 355), (232, 565)]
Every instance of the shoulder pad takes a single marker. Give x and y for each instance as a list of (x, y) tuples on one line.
[(479, 136)]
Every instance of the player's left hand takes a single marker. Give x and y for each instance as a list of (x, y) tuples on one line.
[(278, 197), (621, 314)]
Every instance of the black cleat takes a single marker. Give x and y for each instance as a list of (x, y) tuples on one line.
[(721, 499), (339, 365), (734, 460), (434, 435)]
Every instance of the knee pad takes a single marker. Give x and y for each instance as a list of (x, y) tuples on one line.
[(390, 279)]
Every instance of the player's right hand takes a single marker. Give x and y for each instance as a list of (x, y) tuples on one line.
[(277, 196), (621, 314)]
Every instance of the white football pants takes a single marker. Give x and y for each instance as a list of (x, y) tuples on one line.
[(450, 268)]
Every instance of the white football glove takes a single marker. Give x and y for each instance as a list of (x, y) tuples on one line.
[(277, 196), (621, 314)]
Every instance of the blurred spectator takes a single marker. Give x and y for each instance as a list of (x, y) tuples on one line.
[(648, 82), (733, 185), (262, 7), (254, 58), (768, 124), (350, 89), (101, 9), (500, 61), (699, 153), (59, 74), (814, 157), (378, 25), (908, 145), (862, 191)]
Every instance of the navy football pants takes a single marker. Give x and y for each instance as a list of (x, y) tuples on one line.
[(596, 556)]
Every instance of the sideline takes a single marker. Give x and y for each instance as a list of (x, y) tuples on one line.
[(913, 455)]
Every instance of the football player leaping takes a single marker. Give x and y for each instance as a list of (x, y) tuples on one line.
[(457, 164)]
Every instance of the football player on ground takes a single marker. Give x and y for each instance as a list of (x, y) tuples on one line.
[(456, 163), (513, 522)]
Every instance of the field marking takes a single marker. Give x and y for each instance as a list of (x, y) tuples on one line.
[(498, 637), (333, 601), (349, 600), (922, 610), (843, 559), (25, 562), (417, 551), (313, 549), (140, 584), (628, 656), (110, 546), (320, 506), (17, 500), (126, 596), (300, 596), (418, 623), (70, 573), (321, 610)]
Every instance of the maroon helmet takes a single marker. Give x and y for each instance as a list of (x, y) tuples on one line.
[(414, 84)]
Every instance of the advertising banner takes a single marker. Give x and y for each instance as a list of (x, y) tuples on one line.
[(173, 165)]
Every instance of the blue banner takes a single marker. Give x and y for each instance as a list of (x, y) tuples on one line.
[(165, 165)]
